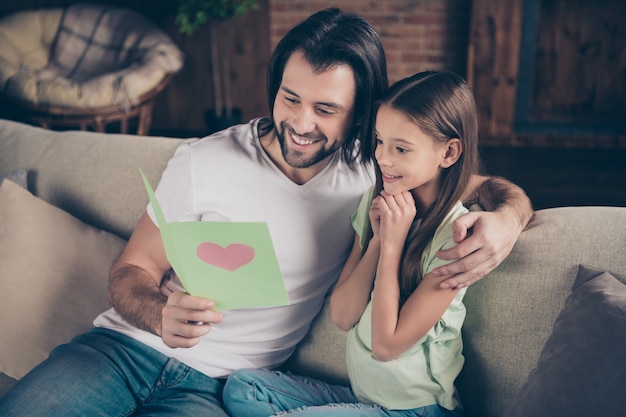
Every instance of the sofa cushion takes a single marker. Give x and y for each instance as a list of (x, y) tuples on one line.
[(581, 368), (93, 176), (321, 354), (511, 313), (53, 277), (19, 176), (6, 382)]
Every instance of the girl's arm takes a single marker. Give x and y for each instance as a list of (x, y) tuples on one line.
[(393, 332), (353, 289)]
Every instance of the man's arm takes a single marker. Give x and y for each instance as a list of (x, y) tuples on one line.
[(135, 278), (493, 232), (135, 296), (136, 275)]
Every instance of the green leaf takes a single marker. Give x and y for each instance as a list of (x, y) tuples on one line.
[(193, 14)]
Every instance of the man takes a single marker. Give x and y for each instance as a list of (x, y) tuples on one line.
[(303, 172)]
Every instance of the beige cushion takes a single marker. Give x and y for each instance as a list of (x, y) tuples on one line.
[(53, 277), (31, 42), (25, 39)]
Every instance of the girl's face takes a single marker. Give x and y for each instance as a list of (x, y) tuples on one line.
[(408, 158)]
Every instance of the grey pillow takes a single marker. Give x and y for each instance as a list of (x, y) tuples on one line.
[(581, 369), (19, 176)]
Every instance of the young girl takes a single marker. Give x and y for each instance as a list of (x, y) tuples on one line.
[(404, 343)]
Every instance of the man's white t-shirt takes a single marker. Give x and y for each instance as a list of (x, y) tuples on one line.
[(228, 177)]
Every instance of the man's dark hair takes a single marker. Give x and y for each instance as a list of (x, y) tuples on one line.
[(329, 38)]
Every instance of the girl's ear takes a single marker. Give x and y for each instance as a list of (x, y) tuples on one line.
[(454, 149)]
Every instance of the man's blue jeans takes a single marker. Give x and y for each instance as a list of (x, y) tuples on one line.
[(257, 393), (104, 373)]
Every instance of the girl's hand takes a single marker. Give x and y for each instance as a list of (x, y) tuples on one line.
[(396, 214)]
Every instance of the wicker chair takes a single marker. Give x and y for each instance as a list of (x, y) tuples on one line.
[(84, 66)]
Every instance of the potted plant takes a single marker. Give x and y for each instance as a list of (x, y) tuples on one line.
[(193, 14)]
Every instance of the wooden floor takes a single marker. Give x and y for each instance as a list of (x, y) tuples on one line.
[(562, 177)]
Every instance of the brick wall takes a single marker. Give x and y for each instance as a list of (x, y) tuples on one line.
[(417, 35)]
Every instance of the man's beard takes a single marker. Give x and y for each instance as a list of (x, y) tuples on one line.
[(297, 159)]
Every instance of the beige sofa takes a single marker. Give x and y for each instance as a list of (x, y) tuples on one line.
[(56, 246)]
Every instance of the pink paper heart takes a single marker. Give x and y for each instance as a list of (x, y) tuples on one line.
[(230, 258)]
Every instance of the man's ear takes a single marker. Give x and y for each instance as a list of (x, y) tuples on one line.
[(454, 149)]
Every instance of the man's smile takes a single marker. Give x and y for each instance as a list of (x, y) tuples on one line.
[(300, 140)]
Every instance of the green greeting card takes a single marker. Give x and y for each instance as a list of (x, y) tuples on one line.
[(232, 263)]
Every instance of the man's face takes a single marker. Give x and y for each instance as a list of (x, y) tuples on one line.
[(313, 111)]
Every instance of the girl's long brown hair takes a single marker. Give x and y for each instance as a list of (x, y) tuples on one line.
[(443, 107)]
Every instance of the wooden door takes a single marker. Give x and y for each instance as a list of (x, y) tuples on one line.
[(549, 72)]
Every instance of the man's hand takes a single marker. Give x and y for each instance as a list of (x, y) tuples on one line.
[(484, 240), (185, 319)]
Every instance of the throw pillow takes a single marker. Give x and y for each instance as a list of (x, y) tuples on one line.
[(19, 176), (53, 277), (581, 369)]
